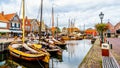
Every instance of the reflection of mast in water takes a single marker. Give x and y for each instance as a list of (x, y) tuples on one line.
[(52, 63), (71, 50), (84, 46)]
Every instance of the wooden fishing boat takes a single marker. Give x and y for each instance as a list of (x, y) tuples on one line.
[(56, 42), (22, 51), (65, 37), (45, 46)]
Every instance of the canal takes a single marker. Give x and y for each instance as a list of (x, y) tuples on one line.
[(72, 56)]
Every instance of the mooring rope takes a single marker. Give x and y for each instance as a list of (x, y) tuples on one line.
[(40, 63)]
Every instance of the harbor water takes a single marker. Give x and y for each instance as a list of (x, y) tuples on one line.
[(71, 57)]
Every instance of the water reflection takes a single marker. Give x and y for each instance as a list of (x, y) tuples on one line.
[(71, 57), (7, 61)]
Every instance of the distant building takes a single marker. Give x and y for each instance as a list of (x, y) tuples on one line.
[(15, 24), (28, 27), (72, 30), (117, 27), (43, 26), (11, 24), (91, 31), (34, 26), (4, 25), (111, 31)]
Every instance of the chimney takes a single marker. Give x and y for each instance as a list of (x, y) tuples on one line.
[(26, 17)]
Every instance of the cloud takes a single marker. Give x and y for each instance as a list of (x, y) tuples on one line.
[(83, 11)]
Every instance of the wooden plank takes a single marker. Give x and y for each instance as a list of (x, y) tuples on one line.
[(108, 62)]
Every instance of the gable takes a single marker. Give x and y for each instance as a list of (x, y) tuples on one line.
[(34, 22), (15, 18)]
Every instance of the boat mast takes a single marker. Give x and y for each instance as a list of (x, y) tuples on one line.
[(57, 28), (40, 27), (68, 27), (52, 22), (23, 20)]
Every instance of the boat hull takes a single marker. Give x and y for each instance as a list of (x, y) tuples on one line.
[(28, 57)]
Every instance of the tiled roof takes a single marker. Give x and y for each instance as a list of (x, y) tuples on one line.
[(3, 19), (9, 16), (117, 24), (110, 26), (90, 30), (27, 20)]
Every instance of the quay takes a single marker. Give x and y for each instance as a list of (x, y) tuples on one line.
[(94, 58), (4, 42)]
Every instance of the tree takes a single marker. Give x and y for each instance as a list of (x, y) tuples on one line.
[(102, 27)]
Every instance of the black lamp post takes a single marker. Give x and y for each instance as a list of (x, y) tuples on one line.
[(101, 15)]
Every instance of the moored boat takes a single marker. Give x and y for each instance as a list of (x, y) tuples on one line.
[(45, 46), (22, 51)]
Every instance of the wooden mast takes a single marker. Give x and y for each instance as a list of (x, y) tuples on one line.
[(23, 20), (52, 22), (40, 27)]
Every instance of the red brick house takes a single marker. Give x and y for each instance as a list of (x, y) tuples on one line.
[(28, 26), (117, 26), (117, 29), (111, 31)]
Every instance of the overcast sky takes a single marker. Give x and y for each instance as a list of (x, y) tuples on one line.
[(83, 11)]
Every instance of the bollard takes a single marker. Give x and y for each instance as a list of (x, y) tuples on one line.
[(110, 46), (108, 42), (0, 46)]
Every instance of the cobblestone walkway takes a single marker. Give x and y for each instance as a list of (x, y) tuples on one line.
[(93, 58)]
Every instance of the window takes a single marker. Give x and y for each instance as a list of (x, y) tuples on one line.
[(11, 25), (15, 25), (18, 25)]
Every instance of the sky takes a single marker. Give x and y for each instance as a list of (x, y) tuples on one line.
[(83, 12)]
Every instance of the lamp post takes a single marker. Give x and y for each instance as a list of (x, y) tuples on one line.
[(101, 15)]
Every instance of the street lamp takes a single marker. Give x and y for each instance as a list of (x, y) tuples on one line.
[(101, 15)]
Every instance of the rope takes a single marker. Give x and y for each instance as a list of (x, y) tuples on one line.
[(20, 9), (40, 63)]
